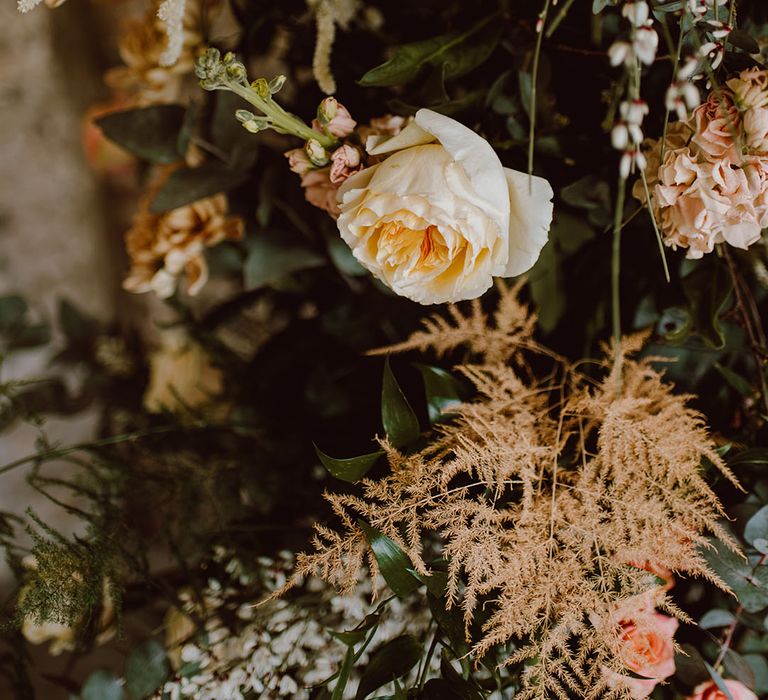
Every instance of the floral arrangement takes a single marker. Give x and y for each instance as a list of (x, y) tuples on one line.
[(557, 484)]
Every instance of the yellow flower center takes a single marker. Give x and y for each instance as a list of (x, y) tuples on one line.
[(398, 244)]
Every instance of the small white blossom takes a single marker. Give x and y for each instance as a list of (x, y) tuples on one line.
[(636, 12), (646, 43), (620, 52)]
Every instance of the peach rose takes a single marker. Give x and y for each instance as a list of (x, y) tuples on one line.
[(440, 217), (716, 124), (344, 162), (647, 650), (750, 88), (710, 691), (658, 570), (319, 191), (755, 122)]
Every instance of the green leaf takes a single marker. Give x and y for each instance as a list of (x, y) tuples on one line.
[(450, 622), (753, 457), (759, 667), (457, 54), (102, 685), (391, 661), (146, 669), (435, 583), (151, 133), (271, 258), (743, 41), (344, 672), (735, 665), (187, 185), (30, 336), (342, 257), (356, 635), (12, 311), (442, 390), (399, 420), (736, 571), (741, 385), (76, 325), (719, 682), (690, 666), (392, 560), (707, 289), (716, 617), (351, 469), (440, 689), (465, 689), (757, 526)]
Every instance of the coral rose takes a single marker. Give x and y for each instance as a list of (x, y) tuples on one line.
[(440, 217), (710, 691), (648, 651), (319, 191), (718, 129)]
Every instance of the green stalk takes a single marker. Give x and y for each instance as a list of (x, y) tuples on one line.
[(534, 80)]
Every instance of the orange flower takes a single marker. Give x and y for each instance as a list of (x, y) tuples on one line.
[(710, 691), (162, 247)]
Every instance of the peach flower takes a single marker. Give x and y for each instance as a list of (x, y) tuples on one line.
[(755, 122), (319, 191), (648, 650), (718, 128), (750, 89), (298, 161), (710, 691), (344, 162)]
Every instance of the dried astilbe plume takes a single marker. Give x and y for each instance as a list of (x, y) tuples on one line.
[(329, 13), (553, 499)]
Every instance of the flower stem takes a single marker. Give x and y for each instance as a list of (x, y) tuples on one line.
[(534, 80), (618, 215)]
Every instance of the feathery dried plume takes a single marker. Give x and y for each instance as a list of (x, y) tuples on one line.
[(171, 12), (329, 13), (27, 5), (545, 494)]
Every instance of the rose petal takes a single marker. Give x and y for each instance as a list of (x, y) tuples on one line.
[(529, 219)]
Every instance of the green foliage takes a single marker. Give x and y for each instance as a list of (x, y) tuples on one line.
[(394, 564), (400, 422), (391, 661), (146, 669), (271, 259), (186, 185), (442, 391), (351, 469), (151, 133), (102, 685), (452, 55)]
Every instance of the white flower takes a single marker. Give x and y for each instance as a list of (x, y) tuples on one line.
[(636, 12), (440, 217), (714, 51), (645, 42), (634, 112), (620, 52)]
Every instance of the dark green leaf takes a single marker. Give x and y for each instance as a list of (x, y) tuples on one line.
[(435, 583), (754, 457), (391, 661), (757, 526), (146, 669), (738, 382), (442, 390), (458, 52), (737, 573), (440, 689), (271, 258), (690, 666), (451, 623), (151, 133), (356, 635), (759, 667), (736, 666), (30, 336), (187, 185), (76, 326), (351, 469), (465, 689), (12, 311), (743, 41), (102, 685), (708, 288), (392, 560), (342, 257), (400, 422), (343, 679), (191, 115), (716, 618)]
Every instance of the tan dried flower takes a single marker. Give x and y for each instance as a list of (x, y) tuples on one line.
[(145, 76), (328, 14), (164, 246), (542, 491)]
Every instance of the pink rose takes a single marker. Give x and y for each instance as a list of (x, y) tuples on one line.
[(716, 125), (344, 162), (710, 691), (756, 128), (336, 118), (648, 650), (319, 191), (298, 161)]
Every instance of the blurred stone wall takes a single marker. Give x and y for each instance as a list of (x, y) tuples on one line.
[(54, 235)]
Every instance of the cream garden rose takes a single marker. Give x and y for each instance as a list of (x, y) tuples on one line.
[(439, 217)]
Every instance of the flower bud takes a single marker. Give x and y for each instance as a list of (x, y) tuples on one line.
[(298, 161), (335, 118), (316, 153), (261, 86), (276, 84)]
